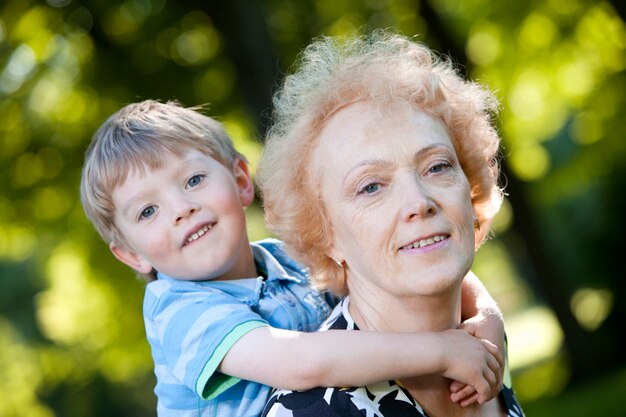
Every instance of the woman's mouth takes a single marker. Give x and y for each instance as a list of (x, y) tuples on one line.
[(198, 234), (422, 243)]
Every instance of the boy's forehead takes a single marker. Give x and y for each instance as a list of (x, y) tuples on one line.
[(166, 163), (156, 161)]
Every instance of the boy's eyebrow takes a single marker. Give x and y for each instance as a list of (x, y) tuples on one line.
[(184, 165), (130, 203)]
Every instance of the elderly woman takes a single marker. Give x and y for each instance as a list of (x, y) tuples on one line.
[(380, 174)]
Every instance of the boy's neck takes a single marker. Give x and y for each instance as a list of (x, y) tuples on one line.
[(261, 270), (245, 267)]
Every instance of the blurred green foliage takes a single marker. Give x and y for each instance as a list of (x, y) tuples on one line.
[(71, 336)]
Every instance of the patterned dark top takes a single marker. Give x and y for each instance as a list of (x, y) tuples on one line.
[(387, 399)]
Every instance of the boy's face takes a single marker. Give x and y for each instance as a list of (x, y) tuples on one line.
[(186, 219)]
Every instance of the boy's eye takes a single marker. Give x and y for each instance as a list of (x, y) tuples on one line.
[(147, 212), (194, 181), (370, 188)]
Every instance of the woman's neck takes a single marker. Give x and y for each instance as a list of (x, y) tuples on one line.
[(376, 310)]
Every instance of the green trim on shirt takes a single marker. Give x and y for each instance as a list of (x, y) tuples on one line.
[(212, 383)]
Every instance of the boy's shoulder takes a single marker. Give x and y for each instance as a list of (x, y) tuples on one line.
[(276, 248), (270, 243)]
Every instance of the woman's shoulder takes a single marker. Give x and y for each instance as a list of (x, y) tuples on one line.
[(340, 318)]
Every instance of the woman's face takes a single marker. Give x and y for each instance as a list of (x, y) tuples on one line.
[(397, 199)]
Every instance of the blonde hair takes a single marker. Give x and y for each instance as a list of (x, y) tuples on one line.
[(382, 68), (135, 139)]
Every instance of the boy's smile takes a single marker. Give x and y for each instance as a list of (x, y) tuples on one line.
[(186, 219), (193, 236)]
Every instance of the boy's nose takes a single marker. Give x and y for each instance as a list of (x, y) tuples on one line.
[(184, 212)]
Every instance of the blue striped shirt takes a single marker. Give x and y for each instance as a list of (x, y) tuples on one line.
[(191, 325)]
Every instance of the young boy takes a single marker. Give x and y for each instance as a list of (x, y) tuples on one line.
[(226, 318)]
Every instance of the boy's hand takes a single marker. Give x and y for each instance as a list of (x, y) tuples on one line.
[(474, 364), (487, 325), (463, 394)]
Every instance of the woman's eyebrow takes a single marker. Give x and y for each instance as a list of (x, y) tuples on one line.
[(427, 150), (383, 163), (366, 162)]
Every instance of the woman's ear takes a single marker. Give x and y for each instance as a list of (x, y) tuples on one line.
[(336, 255), (241, 171), (130, 258)]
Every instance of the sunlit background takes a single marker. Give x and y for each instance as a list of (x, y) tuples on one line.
[(71, 334)]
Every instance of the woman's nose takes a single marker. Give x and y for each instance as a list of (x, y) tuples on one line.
[(418, 201)]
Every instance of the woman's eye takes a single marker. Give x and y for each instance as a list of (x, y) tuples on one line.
[(194, 181), (147, 213), (370, 188), (440, 167)]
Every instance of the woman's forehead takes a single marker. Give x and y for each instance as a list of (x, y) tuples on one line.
[(363, 130)]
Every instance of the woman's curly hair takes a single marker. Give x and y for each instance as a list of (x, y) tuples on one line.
[(381, 68)]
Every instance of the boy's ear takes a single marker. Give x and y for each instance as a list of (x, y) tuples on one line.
[(244, 182), (130, 258)]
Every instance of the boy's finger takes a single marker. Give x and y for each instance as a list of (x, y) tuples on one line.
[(469, 401), (464, 394), (457, 386)]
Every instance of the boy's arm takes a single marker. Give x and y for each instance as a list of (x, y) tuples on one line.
[(338, 358), (482, 318), (480, 313)]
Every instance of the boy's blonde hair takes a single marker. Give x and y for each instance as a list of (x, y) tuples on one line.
[(383, 69), (135, 138)]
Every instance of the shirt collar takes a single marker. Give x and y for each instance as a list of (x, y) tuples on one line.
[(264, 258)]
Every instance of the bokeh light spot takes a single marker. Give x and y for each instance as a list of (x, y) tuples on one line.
[(75, 308), (504, 218), (534, 335), (546, 378), (196, 46), (28, 170), (216, 83), (50, 203), (52, 161), (587, 128), (346, 24), (71, 108), (240, 130), (45, 96), (527, 96), (17, 243), (8, 211), (530, 161), (30, 23), (537, 32), (483, 45), (20, 375), (591, 306), (282, 22), (20, 66), (136, 10), (121, 23), (330, 10), (575, 79)]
